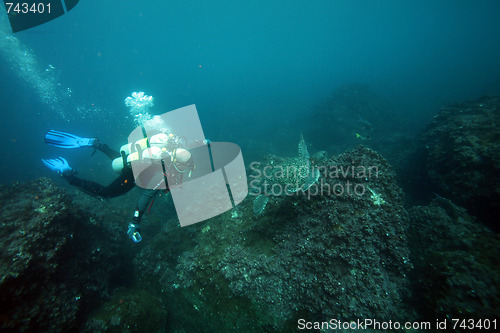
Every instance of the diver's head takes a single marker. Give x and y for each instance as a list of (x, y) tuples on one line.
[(182, 160)]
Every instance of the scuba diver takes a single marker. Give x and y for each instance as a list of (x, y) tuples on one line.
[(161, 147)]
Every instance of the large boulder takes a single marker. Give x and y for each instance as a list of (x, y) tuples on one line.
[(56, 262), (129, 310), (463, 146), (457, 265), (337, 250)]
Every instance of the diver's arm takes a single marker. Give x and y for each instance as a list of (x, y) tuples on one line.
[(145, 200)]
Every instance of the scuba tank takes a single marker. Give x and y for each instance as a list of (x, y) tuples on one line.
[(153, 148)]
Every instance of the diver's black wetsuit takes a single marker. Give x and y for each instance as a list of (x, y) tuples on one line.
[(121, 185)]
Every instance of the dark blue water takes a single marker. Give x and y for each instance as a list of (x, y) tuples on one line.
[(251, 68)]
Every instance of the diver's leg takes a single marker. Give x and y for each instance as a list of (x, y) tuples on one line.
[(144, 201), (121, 185), (112, 154)]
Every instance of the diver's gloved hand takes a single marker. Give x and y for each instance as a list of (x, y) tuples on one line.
[(133, 232), (59, 165)]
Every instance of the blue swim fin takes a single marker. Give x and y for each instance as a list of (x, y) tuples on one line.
[(59, 165), (67, 140)]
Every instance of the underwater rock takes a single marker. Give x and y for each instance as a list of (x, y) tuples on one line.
[(129, 310), (54, 265), (312, 255), (456, 259), (463, 156)]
